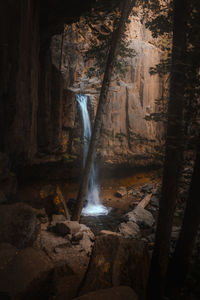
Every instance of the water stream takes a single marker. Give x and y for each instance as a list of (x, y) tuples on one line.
[(93, 206)]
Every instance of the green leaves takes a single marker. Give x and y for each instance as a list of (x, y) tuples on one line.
[(102, 22)]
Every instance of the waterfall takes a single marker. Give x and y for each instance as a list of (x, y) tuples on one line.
[(93, 206)]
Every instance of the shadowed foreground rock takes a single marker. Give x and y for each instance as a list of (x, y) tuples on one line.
[(18, 225), (52, 268), (116, 293), (24, 273), (117, 261)]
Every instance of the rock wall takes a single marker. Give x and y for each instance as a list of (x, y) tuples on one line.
[(127, 138), (30, 106), (38, 115), (19, 98)]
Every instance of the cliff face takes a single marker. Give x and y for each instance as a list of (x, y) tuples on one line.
[(127, 138), (19, 76), (26, 74), (38, 113)]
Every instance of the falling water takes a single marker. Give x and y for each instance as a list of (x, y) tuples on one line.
[(94, 206)]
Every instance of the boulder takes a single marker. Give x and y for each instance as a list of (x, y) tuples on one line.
[(70, 256), (116, 293), (62, 250), (67, 227), (57, 219), (121, 192), (130, 229), (18, 225), (25, 273), (65, 283), (117, 261), (87, 230), (141, 216), (78, 236)]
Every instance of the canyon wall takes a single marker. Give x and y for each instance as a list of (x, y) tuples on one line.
[(27, 73), (39, 120), (126, 136)]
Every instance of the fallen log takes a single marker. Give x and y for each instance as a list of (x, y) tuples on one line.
[(145, 201)]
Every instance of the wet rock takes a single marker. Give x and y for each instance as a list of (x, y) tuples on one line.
[(141, 216), (130, 229), (18, 225), (116, 261), (26, 272), (117, 293)]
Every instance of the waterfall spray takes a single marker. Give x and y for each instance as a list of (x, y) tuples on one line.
[(94, 206)]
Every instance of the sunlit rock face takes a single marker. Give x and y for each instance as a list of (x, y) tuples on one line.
[(127, 138)]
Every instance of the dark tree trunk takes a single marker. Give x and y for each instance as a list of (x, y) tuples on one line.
[(173, 155), (61, 50), (117, 34), (180, 262)]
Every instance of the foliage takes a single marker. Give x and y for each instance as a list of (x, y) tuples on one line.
[(69, 157), (102, 22), (159, 16), (159, 20)]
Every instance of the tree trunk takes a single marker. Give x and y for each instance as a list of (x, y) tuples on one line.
[(61, 50), (117, 34), (173, 155), (180, 261)]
